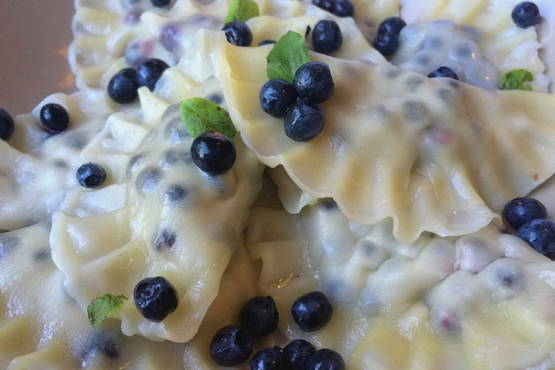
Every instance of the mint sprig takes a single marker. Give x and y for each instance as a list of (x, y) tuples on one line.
[(516, 79), (200, 115), (102, 307), (242, 11), (287, 55)]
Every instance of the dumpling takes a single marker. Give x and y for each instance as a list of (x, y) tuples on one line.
[(432, 154), (437, 303), (158, 215)]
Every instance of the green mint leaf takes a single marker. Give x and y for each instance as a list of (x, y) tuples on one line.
[(200, 115), (242, 11), (102, 307), (287, 55), (516, 80)]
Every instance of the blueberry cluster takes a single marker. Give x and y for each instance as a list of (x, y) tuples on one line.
[(297, 102), (123, 86), (387, 38), (528, 218), (259, 317), (341, 8)]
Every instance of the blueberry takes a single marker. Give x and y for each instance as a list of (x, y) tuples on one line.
[(327, 5), (91, 175), (526, 14), (213, 153), (326, 37), (276, 96), (231, 346), (303, 121), (444, 72), (259, 316), (266, 42), (238, 33), (343, 8), (6, 125), (155, 298), (54, 118), (122, 88), (296, 353), (312, 311), (149, 72), (325, 359), (522, 210), (386, 43), (392, 25), (160, 3), (268, 359), (540, 234), (313, 82)]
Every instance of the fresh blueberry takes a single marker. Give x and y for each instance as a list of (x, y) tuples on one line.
[(540, 234), (213, 153), (312, 311), (303, 121), (231, 346), (91, 175), (343, 8), (444, 72), (327, 5), (296, 353), (155, 298), (392, 25), (259, 316), (326, 37), (526, 14), (266, 42), (268, 359), (325, 359), (160, 3), (523, 210), (313, 82), (54, 118), (149, 72), (6, 125), (386, 43), (122, 88), (238, 33), (276, 96)]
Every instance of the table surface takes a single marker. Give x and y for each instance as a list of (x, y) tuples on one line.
[(34, 36)]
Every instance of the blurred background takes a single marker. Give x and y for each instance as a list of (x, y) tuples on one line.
[(34, 36)]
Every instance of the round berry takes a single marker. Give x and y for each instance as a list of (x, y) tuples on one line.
[(160, 3), (540, 234), (149, 72), (303, 121), (7, 125), (91, 175), (386, 43), (296, 353), (326, 37), (327, 5), (122, 88), (313, 82), (392, 25), (276, 96), (259, 316), (325, 359), (523, 210), (443, 72), (54, 118), (268, 359), (231, 346), (312, 311), (155, 298), (266, 42), (526, 14), (213, 153), (238, 33), (343, 8)]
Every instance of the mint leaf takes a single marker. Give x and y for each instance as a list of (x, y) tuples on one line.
[(200, 115), (242, 11), (516, 79), (102, 307), (287, 55)]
